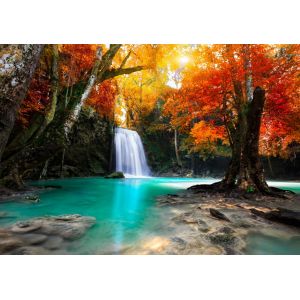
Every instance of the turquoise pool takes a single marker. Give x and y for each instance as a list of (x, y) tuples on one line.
[(125, 209)]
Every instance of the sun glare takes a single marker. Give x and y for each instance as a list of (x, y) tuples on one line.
[(184, 60)]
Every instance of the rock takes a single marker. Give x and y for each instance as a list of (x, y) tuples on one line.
[(4, 233), (212, 251), (230, 251), (3, 214), (202, 226), (29, 250), (179, 242), (53, 243), (69, 227), (24, 227), (223, 239), (9, 244), (73, 233), (32, 198), (67, 217), (115, 175), (217, 214), (226, 230), (281, 215), (34, 238), (189, 220)]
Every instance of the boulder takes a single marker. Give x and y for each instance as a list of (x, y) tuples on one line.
[(115, 175)]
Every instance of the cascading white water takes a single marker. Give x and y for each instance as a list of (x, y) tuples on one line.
[(130, 155)]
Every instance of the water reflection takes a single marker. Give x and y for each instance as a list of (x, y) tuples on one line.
[(128, 209)]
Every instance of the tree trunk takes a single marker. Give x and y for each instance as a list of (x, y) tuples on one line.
[(17, 66), (176, 148), (245, 171), (40, 120), (51, 108), (75, 111)]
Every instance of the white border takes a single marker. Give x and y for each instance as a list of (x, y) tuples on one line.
[(149, 277), (144, 21)]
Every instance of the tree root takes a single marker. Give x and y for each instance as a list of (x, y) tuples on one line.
[(234, 191)]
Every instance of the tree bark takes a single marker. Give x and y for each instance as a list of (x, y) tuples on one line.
[(245, 171), (17, 66), (40, 120), (51, 108), (176, 148)]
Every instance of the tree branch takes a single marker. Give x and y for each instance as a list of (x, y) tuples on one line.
[(120, 71), (125, 60)]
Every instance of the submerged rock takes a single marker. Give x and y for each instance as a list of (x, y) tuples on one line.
[(32, 198), (217, 214), (223, 239), (30, 250), (281, 215), (115, 175), (53, 243), (9, 243), (34, 238), (24, 227), (3, 214), (69, 227), (41, 235)]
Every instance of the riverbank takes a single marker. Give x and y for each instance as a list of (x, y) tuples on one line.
[(28, 193), (202, 223)]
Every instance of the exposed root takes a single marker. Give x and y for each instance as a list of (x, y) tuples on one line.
[(237, 192)]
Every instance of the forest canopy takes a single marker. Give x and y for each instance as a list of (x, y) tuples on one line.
[(203, 100), (191, 86)]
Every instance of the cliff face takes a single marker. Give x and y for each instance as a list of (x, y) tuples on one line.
[(89, 150), (87, 153)]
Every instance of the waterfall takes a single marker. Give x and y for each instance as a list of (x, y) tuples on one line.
[(129, 153)]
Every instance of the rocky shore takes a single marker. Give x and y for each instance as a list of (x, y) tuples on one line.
[(45, 235), (202, 223)]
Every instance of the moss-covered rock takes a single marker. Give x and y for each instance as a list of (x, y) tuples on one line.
[(115, 175)]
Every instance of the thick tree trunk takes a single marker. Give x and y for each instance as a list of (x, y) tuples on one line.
[(39, 121), (17, 66), (245, 171)]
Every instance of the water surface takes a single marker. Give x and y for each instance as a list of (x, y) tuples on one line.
[(125, 210)]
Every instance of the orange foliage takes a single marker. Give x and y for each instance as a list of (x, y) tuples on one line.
[(75, 62), (102, 98), (211, 79)]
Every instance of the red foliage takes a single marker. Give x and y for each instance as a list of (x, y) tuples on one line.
[(102, 98)]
